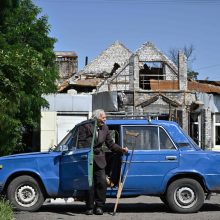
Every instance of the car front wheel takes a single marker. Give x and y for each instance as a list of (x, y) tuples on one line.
[(185, 196), (163, 199), (24, 193)]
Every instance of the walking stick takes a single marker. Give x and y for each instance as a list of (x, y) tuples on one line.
[(121, 183)]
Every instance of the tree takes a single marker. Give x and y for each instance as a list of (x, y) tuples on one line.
[(192, 74), (27, 70), (188, 51)]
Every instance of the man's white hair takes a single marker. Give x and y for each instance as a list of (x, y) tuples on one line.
[(96, 113)]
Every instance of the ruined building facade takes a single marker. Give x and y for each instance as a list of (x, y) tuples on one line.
[(147, 84)]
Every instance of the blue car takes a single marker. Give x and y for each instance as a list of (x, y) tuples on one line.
[(162, 161)]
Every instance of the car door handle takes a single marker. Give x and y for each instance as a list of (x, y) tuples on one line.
[(84, 157), (171, 157)]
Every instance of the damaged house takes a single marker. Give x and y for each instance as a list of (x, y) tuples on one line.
[(147, 84)]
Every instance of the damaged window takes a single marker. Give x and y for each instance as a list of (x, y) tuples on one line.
[(150, 70)]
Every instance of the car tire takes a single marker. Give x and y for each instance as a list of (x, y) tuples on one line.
[(25, 193), (185, 196), (164, 199)]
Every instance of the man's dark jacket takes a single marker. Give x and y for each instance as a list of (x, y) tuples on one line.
[(103, 137)]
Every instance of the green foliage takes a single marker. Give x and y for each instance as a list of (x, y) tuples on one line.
[(192, 75), (5, 6), (6, 212), (27, 70)]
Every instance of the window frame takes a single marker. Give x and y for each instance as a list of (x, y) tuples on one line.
[(215, 124), (158, 136)]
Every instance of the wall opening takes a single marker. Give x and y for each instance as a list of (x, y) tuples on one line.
[(150, 70)]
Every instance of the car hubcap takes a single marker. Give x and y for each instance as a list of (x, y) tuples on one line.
[(185, 197), (26, 195)]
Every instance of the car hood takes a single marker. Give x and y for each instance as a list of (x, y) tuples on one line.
[(29, 155)]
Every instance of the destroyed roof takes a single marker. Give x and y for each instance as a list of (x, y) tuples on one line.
[(116, 53), (214, 83), (206, 87), (62, 87), (203, 87), (148, 52), (88, 82)]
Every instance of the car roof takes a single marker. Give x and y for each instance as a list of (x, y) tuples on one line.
[(138, 122), (172, 127)]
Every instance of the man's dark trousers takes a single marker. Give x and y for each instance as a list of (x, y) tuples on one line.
[(97, 193)]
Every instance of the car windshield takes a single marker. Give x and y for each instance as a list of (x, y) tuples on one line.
[(64, 141)]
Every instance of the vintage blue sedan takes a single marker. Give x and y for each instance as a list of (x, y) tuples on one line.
[(162, 161)]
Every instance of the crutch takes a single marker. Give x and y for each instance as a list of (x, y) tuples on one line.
[(121, 183)]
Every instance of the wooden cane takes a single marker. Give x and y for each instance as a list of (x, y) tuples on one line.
[(121, 183)]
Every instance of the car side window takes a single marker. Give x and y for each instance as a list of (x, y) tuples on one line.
[(146, 140), (149, 138), (165, 141)]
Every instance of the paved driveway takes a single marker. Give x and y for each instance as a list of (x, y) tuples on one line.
[(129, 209)]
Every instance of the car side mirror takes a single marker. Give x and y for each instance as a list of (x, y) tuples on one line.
[(64, 148)]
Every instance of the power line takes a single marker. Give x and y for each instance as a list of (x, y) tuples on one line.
[(209, 2), (208, 67)]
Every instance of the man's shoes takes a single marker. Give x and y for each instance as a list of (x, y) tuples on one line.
[(89, 212), (99, 211)]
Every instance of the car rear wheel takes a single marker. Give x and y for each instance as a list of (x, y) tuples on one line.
[(24, 193), (185, 196)]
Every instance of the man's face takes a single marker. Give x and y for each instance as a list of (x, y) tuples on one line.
[(101, 120)]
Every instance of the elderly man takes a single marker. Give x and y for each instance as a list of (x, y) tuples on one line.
[(96, 197)]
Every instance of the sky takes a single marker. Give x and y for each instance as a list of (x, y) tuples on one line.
[(88, 27)]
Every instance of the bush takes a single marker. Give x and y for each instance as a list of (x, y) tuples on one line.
[(6, 212)]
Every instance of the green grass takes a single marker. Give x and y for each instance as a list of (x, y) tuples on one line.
[(6, 212)]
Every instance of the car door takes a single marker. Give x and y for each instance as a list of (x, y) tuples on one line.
[(154, 156), (76, 164)]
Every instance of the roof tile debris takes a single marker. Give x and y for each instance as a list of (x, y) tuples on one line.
[(205, 86)]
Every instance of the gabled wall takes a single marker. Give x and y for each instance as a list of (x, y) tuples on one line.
[(104, 63)]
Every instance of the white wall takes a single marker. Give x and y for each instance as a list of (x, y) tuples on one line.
[(64, 112), (48, 130), (65, 123)]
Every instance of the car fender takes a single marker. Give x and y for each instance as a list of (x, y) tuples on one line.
[(177, 174), (20, 172)]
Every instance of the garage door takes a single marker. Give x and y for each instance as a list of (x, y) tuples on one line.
[(65, 123)]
